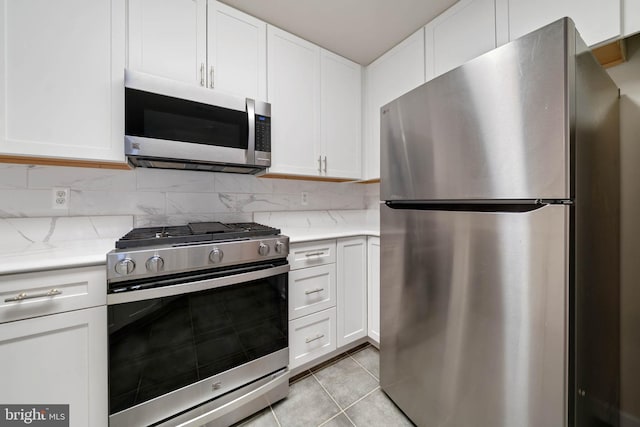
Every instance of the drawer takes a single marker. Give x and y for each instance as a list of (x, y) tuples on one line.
[(311, 254), (311, 336), (311, 289), (53, 291)]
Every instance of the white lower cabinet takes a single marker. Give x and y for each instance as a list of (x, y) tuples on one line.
[(327, 297), (351, 267), (58, 359), (53, 342), (312, 336), (373, 288)]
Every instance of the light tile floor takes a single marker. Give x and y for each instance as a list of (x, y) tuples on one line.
[(344, 392)]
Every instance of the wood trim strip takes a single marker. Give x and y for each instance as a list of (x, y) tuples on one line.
[(611, 54), (62, 162), (304, 178)]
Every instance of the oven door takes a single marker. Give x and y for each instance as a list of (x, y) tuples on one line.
[(175, 347)]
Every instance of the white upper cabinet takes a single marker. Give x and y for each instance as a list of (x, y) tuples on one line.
[(202, 42), (168, 38), (340, 116), (596, 20), (237, 48), (61, 79), (294, 93), (315, 99), (631, 17), (471, 21), (394, 73)]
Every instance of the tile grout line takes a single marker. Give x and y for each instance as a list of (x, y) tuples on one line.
[(275, 416), (362, 366), (329, 394), (362, 398)]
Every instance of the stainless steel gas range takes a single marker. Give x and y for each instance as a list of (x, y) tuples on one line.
[(197, 324)]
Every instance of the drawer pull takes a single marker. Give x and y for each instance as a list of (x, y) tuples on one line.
[(314, 254), (317, 337), (313, 291), (24, 295)]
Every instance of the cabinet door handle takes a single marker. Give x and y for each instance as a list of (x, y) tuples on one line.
[(24, 295), (313, 291), (317, 337), (314, 254), (211, 85), (325, 164), (202, 74), (320, 164)]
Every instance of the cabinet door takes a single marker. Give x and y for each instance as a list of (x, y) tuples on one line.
[(58, 359), (373, 288), (236, 52), (311, 336), (631, 17), (293, 68), (473, 21), (351, 287), (340, 112), (396, 72), (168, 38), (61, 79), (596, 20)]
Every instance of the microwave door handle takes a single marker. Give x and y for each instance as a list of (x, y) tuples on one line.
[(251, 148)]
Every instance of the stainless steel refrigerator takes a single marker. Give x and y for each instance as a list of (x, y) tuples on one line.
[(500, 240)]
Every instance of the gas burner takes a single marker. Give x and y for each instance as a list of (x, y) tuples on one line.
[(193, 233)]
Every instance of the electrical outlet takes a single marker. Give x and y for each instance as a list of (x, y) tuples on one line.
[(304, 198), (60, 198)]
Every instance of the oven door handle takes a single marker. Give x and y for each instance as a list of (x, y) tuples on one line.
[(190, 287)]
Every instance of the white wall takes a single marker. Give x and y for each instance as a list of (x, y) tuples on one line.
[(164, 197), (627, 77)]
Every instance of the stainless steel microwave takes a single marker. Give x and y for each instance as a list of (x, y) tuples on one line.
[(174, 125)]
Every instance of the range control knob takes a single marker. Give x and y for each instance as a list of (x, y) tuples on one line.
[(279, 247), (263, 249), (125, 266), (154, 264), (216, 255)]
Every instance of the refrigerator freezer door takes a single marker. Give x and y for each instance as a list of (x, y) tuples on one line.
[(494, 128), (474, 316)]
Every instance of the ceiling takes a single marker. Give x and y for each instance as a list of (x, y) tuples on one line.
[(360, 30)]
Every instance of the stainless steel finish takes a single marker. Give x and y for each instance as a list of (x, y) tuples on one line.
[(263, 249), (137, 146), (202, 74), (496, 318), (124, 267), (211, 81), (185, 288), (237, 405), (597, 242), (473, 319), (251, 147), (310, 254), (23, 295), (180, 400), (313, 291), (155, 264), (263, 158), (317, 337), (192, 257), (216, 255), (507, 140), (325, 164)]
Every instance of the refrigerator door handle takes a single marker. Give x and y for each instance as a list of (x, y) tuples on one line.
[(480, 206)]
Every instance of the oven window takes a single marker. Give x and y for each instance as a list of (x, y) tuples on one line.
[(160, 345), (162, 117)]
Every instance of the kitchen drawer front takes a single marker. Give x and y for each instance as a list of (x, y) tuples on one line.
[(311, 337), (311, 254), (47, 292), (311, 290)]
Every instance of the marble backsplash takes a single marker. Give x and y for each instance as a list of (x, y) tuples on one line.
[(161, 197)]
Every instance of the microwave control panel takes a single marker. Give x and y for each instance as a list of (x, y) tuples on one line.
[(263, 133)]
